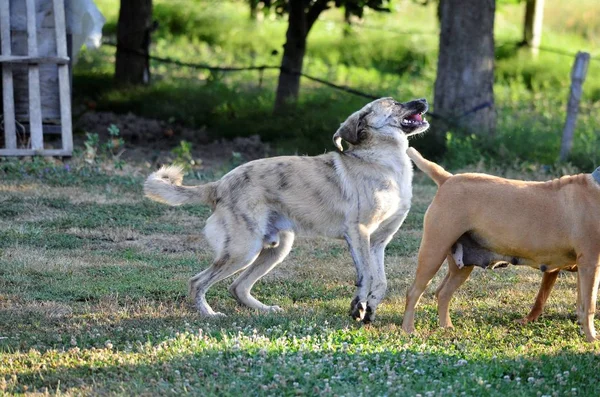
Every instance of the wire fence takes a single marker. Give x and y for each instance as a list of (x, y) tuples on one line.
[(350, 90), (261, 68)]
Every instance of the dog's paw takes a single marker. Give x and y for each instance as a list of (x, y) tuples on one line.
[(409, 329), (215, 315), (524, 320), (591, 338), (359, 310), (369, 315), (273, 309)]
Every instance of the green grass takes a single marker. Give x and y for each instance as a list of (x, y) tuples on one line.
[(531, 93), (93, 301)]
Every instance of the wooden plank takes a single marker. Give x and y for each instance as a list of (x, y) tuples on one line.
[(10, 135), (35, 103), (31, 152), (64, 81), (577, 78), (33, 60)]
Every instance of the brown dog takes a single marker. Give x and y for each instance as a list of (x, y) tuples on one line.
[(468, 252), (548, 225)]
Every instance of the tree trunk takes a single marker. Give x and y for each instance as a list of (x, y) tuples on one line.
[(133, 40), (464, 92), (253, 9), (288, 85), (534, 17)]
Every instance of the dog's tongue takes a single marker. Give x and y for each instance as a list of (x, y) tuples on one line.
[(416, 117)]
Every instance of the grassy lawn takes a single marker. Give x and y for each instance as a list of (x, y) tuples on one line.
[(93, 277), (93, 282)]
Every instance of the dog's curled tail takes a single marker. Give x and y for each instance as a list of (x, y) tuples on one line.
[(435, 172), (165, 186)]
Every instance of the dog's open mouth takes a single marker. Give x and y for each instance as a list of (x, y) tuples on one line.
[(414, 120)]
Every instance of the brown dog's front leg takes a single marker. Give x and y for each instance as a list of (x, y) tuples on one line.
[(588, 276), (548, 281)]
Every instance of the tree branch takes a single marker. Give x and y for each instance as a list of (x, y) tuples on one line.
[(313, 13)]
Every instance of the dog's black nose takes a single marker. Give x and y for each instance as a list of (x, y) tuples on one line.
[(422, 100)]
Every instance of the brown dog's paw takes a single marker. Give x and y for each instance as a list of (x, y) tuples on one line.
[(523, 321)]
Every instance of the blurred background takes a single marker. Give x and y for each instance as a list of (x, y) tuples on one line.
[(498, 80)]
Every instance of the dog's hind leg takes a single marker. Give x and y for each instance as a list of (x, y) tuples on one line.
[(454, 278), (438, 238), (230, 257), (266, 261), (428, 265), (223, 267)]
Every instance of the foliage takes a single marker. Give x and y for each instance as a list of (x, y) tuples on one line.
[(183, 156), (389, 54), (462, 150), (353, 7), (112, 148)]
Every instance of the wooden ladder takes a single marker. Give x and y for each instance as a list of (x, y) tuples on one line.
[(33, 61)]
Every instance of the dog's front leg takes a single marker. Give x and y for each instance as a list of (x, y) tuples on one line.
[(359, 245), (548, 281), (379, 240), (378, 281), (588, 276)]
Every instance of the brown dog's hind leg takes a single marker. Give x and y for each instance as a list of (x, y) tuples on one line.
[(266, 261), (431, 256), (454, 279), (548, 280)]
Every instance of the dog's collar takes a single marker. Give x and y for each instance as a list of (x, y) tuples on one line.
[(596, 175)]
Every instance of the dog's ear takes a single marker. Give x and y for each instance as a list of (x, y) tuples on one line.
[(352, 130)]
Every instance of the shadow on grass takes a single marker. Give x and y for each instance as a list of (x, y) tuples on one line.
[(230, 111)]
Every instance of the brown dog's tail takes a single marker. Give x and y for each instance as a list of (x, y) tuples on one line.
[(164, 186), (435, 172)]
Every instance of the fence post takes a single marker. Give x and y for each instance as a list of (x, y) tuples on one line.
[(534, 18), (577, 78)]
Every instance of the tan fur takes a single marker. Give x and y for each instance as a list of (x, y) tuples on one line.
[(164, 186), (362, 195), (551, 225), (434, 171)]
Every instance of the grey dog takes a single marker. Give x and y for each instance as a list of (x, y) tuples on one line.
[(362, 195)]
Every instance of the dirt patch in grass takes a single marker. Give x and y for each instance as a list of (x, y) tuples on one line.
[(151, 141), (48, 309)]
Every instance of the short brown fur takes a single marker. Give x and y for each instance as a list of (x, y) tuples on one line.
[(552, 225)]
